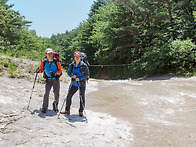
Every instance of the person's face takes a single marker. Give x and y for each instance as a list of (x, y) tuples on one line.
[(77, 58), (49, 55)]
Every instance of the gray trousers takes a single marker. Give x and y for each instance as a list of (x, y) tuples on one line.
[(56, 89)]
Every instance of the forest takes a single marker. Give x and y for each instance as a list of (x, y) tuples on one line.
[(122, 38)]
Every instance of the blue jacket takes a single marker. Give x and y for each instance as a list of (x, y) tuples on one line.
[(81, 71), (52, 68)]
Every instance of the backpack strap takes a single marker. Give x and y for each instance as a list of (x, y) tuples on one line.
[(71, 65), (44, 62), (55, 60), (82, 66), (44, 74), (84, 71)]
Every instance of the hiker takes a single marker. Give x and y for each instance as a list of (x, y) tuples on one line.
[(79, 73), (52, 71)]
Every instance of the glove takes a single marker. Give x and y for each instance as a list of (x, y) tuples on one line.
[(77, 79), (52, 75), (58, 75), (38, 70)]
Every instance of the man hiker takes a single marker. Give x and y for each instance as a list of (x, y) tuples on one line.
[(79, 73), (52, 71)]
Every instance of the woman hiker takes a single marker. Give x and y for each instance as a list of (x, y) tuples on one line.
[(52, 71), (79, 73)]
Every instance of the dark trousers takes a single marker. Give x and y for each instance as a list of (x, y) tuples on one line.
[(56, 88), (72, 91)]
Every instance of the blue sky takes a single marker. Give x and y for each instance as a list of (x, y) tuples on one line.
[(53, 16)]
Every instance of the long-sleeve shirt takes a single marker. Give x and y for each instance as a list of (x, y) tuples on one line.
[(81, 71), (53, 67)]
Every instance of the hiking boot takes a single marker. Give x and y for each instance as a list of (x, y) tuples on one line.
[(81, 114), (65, 112), (44, 110), (55, 108)]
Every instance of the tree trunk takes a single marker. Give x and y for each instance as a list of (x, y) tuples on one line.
[(171, 20)]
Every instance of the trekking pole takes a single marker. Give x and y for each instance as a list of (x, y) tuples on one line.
[(63, 103), (83, 107), (32, 90), (61, 108)]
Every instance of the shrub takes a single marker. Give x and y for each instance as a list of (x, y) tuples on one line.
[(12, 68), (154, 60), (173, 57), (183, 54)]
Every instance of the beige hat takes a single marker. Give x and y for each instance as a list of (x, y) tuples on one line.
[(48, 50)]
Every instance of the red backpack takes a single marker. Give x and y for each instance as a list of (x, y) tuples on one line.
[(55, 54)]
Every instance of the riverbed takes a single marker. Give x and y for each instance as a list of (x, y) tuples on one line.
[(158, 111)]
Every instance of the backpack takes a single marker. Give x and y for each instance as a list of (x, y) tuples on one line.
[(84, 58), (55, 54), (55, 59)]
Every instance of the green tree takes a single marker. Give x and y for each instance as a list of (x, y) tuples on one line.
[(141, 33), (15, 37), (11, 22)]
